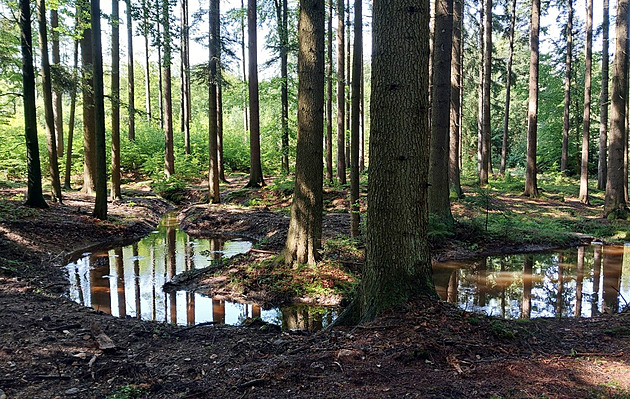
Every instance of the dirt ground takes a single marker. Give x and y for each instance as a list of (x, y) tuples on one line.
[(51, 347)]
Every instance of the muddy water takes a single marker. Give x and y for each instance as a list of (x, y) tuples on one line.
[(579, 282), (127, 282)]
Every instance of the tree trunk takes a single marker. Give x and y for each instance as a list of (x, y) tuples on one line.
[(147, 64), (329, 93), (341, 93), (362, 121), (169, 155), (53, 161), (305, 227), (34, 195), (57, 93), (481, 163), (531, 185), (564, 161), (282, 29), (357, 63), (185, 67), (508, 88), (455, 104), (348, 95), (439, 203), (615, 202), (115, 193), (89, 127), (220, 160), (487, 81), (100, 203), (213, 170), (130, 75), (587, 103), (160, 68), (255, 171), (243, 53), (602, 163), (73, 106)]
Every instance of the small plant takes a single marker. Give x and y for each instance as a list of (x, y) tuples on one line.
[(128, 392)]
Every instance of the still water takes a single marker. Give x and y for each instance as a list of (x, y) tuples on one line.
[(127, 282), (578, 282)]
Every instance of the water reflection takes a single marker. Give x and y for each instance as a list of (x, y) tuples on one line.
[(580, 282), (128, 281)]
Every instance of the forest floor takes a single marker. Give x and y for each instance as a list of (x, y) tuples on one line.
[(51, 347)]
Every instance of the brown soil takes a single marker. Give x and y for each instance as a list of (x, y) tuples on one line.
[(49, 345)]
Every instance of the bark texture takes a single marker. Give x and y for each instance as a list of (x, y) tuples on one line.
[(357, 62), (329, 94), (57, 93), (586, 130), (255, 168), (508, 90), (604, 101), (341, 93), (131, 94), (115, 98), (531, 183), (89, 126), (564, 161), (213, 169)]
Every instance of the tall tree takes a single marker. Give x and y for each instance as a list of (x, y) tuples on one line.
[(185, 76), (586, 131), (100, 203), (508, 90), (329, 93), (115, 97), (341, 93), (487, 82), (564, 161), (602, 163), (169, 154), (213, 171), (481, 161), (455, 105), (305, 227), (615, 202), (130, 75), (243, 54), (87, 83), (531, 184), (357, 63), (255, 169), (147, 64), (57, 92), (282, 14), (53, 162), (34, 195), (73, 106), (439, 202), (159, 43)]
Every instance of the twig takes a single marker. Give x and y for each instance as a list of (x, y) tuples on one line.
[(209, 323), (262, 251)]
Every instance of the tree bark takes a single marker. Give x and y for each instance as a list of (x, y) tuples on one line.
[(564, 161), (357, 63), (57, 94), (89, 127), (243, 53), (531, 184), (481, 163), (100, 203), (160, 66), (213, 170), (615, 202), (147, 64), (130, 75), (255, 171), (508, 89), (34, 195), (283, 29), (487, 81), (305, 226), (455, 104), (169, 155), (73, 106), (185, 67), (604, 101), (329, 93), (586, 131), (341, 93), (115, 87)]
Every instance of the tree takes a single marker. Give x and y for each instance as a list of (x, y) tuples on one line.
[(282, 15), (130, 74), (305, 226), (508, 90), (604, 101), (34, 195), (53, 162), (169, 154), (213, 170), (115, 87), (482, 163), (487, 81), (329, 94), (439, 203), (564, 161), (586, 131), (357, 64), (73, 106), (100, 203), (255, 171), (615, 202), (185, 77), (455, 108), (341, 93), (147, 65), (531, 184), (87, 83), (57, 93)]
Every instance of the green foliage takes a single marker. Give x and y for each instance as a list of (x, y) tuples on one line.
[(127, 392), (439, 231)]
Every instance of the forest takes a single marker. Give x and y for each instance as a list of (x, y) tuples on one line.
[(309, 198)]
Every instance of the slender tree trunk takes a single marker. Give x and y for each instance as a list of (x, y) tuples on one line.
[(34, 195), (115, 87), (586, 131), (362, 121), (89, 127), (243, 53), (57, 93), (100, 203), (213, 170), (348, 76), (147, 64), (508, 88), (130, 75), (483, 175), (220, 159), (169, 155), (564, 162), (53, 162), (329, 93), (305, 226), (455, 106), (159, 45), (531, 184), (602, 163), (357, 63), (73, 106), (185, 66), (487, 81), (439, 203), (282, 29), (255, 172), (341, 93)]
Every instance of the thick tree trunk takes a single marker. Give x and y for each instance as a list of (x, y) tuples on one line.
[(357, 63), (455, 104), (439, 202), (305, 227), (564, 161), (213, 170), (57, 93), (169, 155), (73, 106), (115, 87), (130, 76), (53, 161), (508, 90), (487, 81), (615, 202), (255, 170), (100, 203), (586, 131), (341, 93), (34, 195), (602, 163), (329, 93), (531, 184), (89, 127)]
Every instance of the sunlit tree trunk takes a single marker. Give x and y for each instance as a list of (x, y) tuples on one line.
[(602, 163), (283, 33), (455, 104), (185, 67), (348, 77), (487, 81), (130, 76), (362, 121), (531, 184), (57, 93), (34, 195), (255, 170), (220, 158), (160, 64), (115, 98), (243, 54), (564, 161), (89, 155), (481, 164), (357, 63), (341, 93), (100, 203), (305, 227), (169, 155), (213, 170), (508, 89), (147, 64), (329, 93), (586, 131), (73, 106)]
